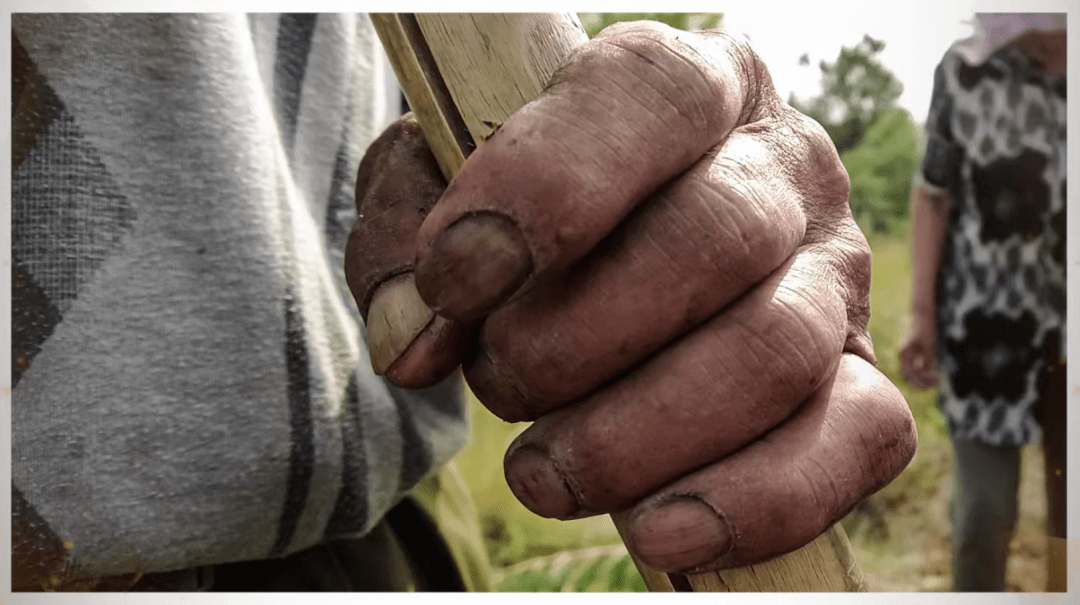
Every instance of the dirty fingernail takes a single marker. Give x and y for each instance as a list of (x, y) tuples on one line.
[(473, 266), (682, 534), (496, 387), (533, 479), (395, 317)]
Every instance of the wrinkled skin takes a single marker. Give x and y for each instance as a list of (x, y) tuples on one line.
[(656, 262)]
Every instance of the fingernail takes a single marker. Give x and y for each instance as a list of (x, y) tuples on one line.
[(497, 389), (474, 265), (542, 489), (682, 534), (395, 317)]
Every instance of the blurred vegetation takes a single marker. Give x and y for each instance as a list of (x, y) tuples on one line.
[(856, 90), (881, 168), (877, 140)]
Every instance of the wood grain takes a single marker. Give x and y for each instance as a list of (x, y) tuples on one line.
[(424, 89), (464, 75), (517, 53), (825, 565)]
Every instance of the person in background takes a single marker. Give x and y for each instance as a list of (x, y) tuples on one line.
[(194, 404), (989, 280)]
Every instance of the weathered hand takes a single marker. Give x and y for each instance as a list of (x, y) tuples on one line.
[(656, 262)]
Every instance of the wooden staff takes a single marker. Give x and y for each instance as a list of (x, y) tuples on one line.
[(464, 75)]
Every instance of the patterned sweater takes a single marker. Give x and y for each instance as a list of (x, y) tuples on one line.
[(191, 382)]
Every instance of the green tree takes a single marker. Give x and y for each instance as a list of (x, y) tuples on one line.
[(881, 167), (878, 141), (594, 22), (857, 89)]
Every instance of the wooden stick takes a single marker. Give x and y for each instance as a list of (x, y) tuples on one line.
[(464, 75)]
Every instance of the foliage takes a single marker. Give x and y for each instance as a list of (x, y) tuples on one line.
[(877, 141), (880, 168), (857, 90), (595, 22), (601, 569)]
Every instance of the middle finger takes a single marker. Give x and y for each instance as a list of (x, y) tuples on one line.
[(690, 250)]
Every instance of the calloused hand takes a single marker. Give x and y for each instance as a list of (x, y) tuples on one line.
[(656, 262)]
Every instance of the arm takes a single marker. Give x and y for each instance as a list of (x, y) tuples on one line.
[(930, 206), (918, 357)]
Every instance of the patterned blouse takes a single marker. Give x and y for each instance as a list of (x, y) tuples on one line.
[(996, 144)]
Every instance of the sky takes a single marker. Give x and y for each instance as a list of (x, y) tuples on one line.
[(916, 34), (915, 41)]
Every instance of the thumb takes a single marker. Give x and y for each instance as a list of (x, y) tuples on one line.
[(408, 343), (397, 185)]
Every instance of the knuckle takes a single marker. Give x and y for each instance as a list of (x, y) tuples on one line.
[(834, 182), (761, 98), (753, 248), (397, 164), (648, 29), (894, 442), (847, 255), (761, 251), (816, 168), (854, 257), (756, 228), (853, 260), (803, 337), (690, 78), (663, 63), (404, 131), (752, 68), (810, 294)]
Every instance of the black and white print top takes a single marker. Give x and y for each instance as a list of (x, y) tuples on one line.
[(190, 380), (996, 144)]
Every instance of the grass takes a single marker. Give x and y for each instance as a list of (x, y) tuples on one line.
[(900, 535), (513, 534)]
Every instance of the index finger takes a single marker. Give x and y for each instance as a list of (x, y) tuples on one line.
[(631, 109)]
